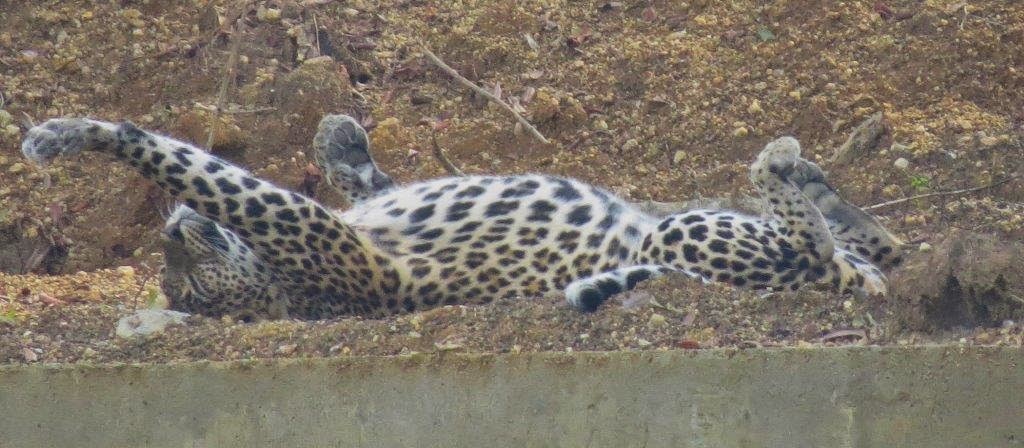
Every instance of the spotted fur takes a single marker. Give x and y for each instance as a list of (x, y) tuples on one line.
[(467, 240)]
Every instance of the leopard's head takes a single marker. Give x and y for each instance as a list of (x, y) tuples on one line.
[(208, 270)]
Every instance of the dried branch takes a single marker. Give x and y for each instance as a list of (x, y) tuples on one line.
[(234, 109), (225, 81), (441, 157), (942, 193), (35, 259), (863, 137), (454, 74), (863, 338), (29, 122), (258, 110), (316, 34)]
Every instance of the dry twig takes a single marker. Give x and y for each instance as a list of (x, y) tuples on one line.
[(942, 193), (234, 109), (142, 286), (441, 157), (225, 81), (863, 338), (863, 138), (454, 74), (316, 33)]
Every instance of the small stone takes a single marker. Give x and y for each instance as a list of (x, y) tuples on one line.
[(924, 247), (740, 132), (89, 353), (265, 14), (17, 168), (630, 144), (146, 323), (29, 56), (901, 163), (601, 125), (678, 157), (984, 338), (29, 355), (643, 342), (11, 131), (847, 305), (414, 335), (760, 85), (989, 141), (656, 320), (755, 107), (286, 349), (126, 271), (795, 94), (131, 14)]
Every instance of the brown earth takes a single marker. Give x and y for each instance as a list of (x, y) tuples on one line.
[(654, 99)]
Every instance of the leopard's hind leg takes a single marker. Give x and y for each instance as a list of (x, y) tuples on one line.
[(853, 229), (798, 181), (342, 151)]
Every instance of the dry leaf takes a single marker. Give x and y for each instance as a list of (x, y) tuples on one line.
[(49, 300), (56, 212), (859, 333), (649, 14), (533, 74), (29, 355), (688, 344), (531, 42), (527, 95), (688, 319), (312, 170), (440, 125)]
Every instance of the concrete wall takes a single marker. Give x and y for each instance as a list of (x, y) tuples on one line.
[(851, 397)]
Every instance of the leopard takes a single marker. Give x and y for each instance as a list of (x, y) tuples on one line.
[(269, 252)]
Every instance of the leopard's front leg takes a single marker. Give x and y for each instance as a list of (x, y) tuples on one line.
[(318, 255)]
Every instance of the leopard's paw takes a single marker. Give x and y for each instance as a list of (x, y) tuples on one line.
[(64, 136)]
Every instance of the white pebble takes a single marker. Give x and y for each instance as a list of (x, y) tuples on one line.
[(145, 323)]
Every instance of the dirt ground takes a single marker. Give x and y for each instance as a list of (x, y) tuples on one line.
[(653, 99)]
